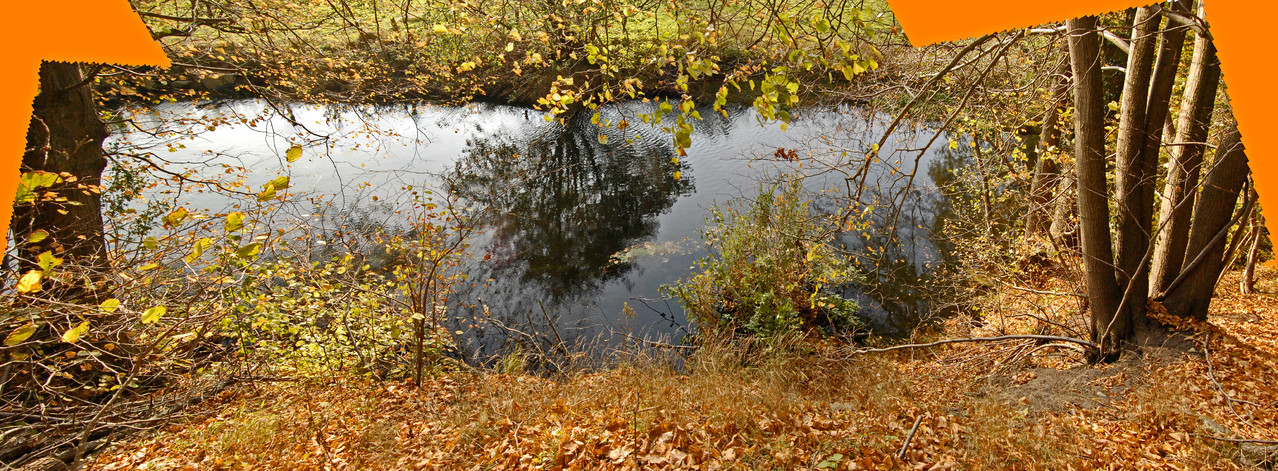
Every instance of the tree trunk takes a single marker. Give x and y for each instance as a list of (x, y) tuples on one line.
[(1243, 233), (1184, 162), (1064, 227), (1248, 283), (1107, 326), (65, 137), (1191, 294), (1134, 188), (1047, 169)]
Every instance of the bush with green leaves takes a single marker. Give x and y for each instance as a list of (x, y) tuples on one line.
[(774, 270)]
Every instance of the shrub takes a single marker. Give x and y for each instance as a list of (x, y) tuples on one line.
[(773, 270)]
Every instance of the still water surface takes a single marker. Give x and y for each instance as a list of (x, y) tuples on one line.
[(578, 228)]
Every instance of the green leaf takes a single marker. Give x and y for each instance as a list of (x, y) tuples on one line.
[(73, 334), (150, 242), (823, 26), (153, 314), (293, 153), (20, 335)]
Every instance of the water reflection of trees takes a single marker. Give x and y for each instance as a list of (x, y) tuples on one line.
[(896, 245), (562, 202)]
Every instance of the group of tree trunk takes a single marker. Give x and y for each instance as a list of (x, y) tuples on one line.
[(1135, 245)]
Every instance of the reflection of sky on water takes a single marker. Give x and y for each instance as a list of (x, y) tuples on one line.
[(579, 229)]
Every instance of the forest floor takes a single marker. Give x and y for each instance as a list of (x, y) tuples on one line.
[(1205, 397)]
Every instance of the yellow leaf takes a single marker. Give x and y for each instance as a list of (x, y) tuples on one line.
[(47, 262), (19, 335), (267, 194), (152, 315), (73, 334), (177, 217), (110, 305), (37, 236), (30, 282), (199, 248), (234, 222), (293, 153), (249, 251)]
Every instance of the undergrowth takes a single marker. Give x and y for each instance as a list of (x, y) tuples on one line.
[(773, 270)]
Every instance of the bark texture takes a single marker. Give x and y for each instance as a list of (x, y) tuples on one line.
[(1134, 188), (1190, 295), (1184, 161), (1108, 328), (65, 137)]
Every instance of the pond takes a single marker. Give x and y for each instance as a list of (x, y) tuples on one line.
[(585, 223)]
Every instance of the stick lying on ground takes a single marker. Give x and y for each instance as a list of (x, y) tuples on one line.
[(904, 446), (1084, 343)]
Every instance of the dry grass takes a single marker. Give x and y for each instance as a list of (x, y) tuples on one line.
[(791, 406)]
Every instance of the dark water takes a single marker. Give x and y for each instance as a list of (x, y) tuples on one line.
[(576, 234)]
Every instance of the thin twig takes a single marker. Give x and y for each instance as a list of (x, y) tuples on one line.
[(559, 341)]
